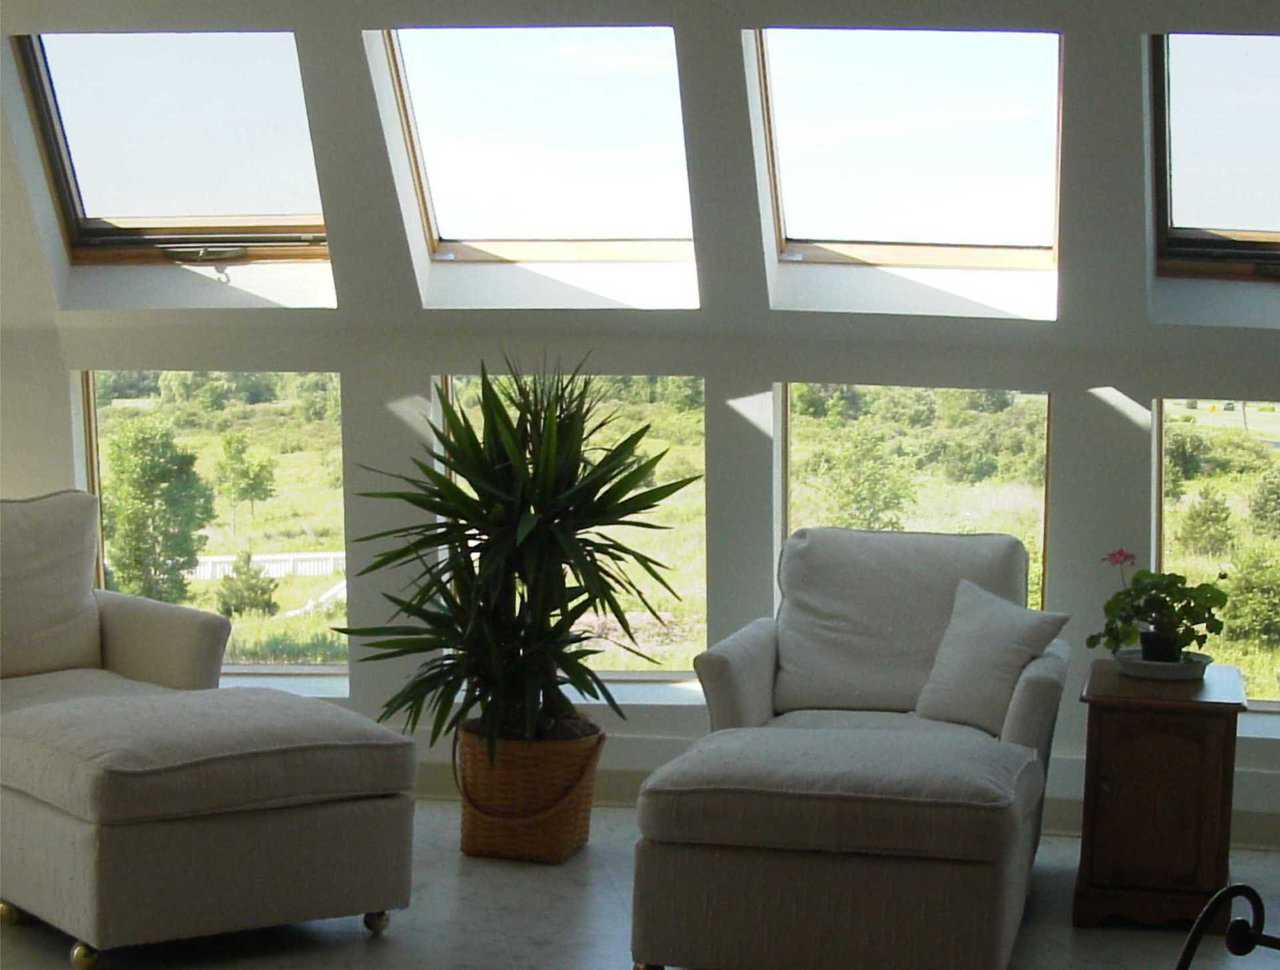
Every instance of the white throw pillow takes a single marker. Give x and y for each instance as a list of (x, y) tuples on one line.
[(983, 652)]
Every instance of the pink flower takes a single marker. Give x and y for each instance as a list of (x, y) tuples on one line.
[(1120, 557)]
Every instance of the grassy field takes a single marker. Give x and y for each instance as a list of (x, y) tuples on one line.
[(937, 503), (304, 515), (1259, 660)]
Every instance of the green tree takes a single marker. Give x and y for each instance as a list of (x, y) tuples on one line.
[(867, 486), (243, 478), (1206, 528), (154, 506), (246, 589), (904, 407), (319, 396), (1185, 449), (1253, 610), (108, 385), (1264, 503), (179, 386)]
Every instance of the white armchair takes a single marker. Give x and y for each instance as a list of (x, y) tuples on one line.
[(862, 799)]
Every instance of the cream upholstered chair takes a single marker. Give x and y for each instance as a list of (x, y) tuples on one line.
[(826, 822), (136, 804)]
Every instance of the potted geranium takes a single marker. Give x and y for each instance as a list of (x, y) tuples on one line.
[(1160, 610), (515, 541)]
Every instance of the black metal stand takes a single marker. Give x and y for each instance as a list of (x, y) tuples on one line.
[(1242, 935)]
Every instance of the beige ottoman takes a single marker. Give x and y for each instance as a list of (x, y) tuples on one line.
[(133, 813), (771, 849)]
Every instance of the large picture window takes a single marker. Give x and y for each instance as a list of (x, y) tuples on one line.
[(177, 146), (546, 143), (919, 459), (1220, 512), (223, 491), (913, 147), (1215, 150), (673, 407)]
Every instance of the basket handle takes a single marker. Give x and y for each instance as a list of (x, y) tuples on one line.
[(549, 810)]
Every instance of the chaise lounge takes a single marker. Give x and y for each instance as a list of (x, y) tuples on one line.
[(127, 782), (871, 791)]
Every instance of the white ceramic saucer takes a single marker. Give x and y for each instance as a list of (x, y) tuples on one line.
[(1192, 666)]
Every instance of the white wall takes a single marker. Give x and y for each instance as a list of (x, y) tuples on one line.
[(392, 326)]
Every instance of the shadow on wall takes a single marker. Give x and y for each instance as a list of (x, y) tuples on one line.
[(995, 294), (170, 287)]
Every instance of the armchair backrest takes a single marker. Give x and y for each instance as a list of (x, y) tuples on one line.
[(863, 612), (48, 559)]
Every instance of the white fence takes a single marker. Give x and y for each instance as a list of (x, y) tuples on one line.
[(275, 565)]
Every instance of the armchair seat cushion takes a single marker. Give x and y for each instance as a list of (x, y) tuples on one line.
[(162, 754), (946, 794), (881, 720)]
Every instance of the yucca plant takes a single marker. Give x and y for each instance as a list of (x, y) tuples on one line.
[(514, 543)]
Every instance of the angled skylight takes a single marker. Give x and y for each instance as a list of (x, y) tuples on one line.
[(548, 133), (184, 126), (1224, 136), (915, 136)]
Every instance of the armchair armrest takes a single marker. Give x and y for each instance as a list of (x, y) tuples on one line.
[(173, 646), (1033, 711), (737, 676)]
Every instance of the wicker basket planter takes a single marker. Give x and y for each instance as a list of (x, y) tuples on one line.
[(533, 803)]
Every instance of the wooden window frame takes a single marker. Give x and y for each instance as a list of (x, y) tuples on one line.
[(1194, 251), (149, 240), (868, 252), (447, 250)]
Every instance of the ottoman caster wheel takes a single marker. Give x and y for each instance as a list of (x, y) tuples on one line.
[(83, 956), (10, 915), (377, 922)]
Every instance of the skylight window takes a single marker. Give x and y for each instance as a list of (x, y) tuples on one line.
[(1216, 141), (547, 135), (178, 142), (890, 144)]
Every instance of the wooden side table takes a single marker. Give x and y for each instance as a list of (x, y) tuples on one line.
[(1157, 794)]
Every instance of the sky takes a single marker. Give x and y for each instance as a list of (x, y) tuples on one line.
[(576, 133), (185, 124)]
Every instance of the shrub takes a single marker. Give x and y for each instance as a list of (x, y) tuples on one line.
[(868, 487), (1253, 611), (1238, 452), (1191, 404), (248, 589), (1206, 528), (1185, 449), (1264, 503)]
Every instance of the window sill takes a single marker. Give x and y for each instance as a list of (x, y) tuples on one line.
[(335, 686), (1260, 724)]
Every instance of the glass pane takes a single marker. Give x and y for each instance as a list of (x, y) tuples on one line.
[(223, 491), (920, 459), (916, 136), (550, 133), (1224, 139), (1222, 514), (673, 408), (163, 125)]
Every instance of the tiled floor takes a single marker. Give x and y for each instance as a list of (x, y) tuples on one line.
[(470, 914)]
